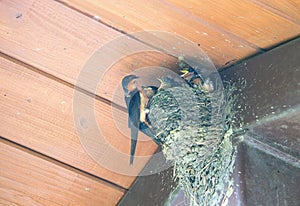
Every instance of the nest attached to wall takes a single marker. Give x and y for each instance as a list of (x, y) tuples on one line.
[(194, 128)]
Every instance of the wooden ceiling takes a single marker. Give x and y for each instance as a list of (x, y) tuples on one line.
[(44, 47)]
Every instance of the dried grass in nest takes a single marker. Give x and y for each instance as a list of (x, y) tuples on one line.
[(195, 129)]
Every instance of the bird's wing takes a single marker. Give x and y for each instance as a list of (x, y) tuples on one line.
[(127, 100), (134, 122), (149, 132)]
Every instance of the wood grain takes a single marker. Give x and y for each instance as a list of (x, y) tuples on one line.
[(65, 39), (37, 112), (243, 19), (134, 16), (27, 179), (289, 9), (50, 36), (45, 46)]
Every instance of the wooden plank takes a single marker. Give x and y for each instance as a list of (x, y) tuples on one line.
[(37, 112), (289, 9), (49, 36), (26, 179), (133, 16), (244, 19), (66, 39)]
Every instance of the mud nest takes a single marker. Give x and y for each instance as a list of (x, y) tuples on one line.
[(194, 128)]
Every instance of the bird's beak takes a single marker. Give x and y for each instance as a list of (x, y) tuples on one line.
[(184, 72)]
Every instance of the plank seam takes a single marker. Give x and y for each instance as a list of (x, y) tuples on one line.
[(61, 81), (259, 53), (274, 10), (228, 64), (176, 9), (90, 16), (61, 164), (205, 23), (110, 26)]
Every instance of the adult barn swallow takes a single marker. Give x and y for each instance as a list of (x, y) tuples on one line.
[(136, 101), (132, 99)]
